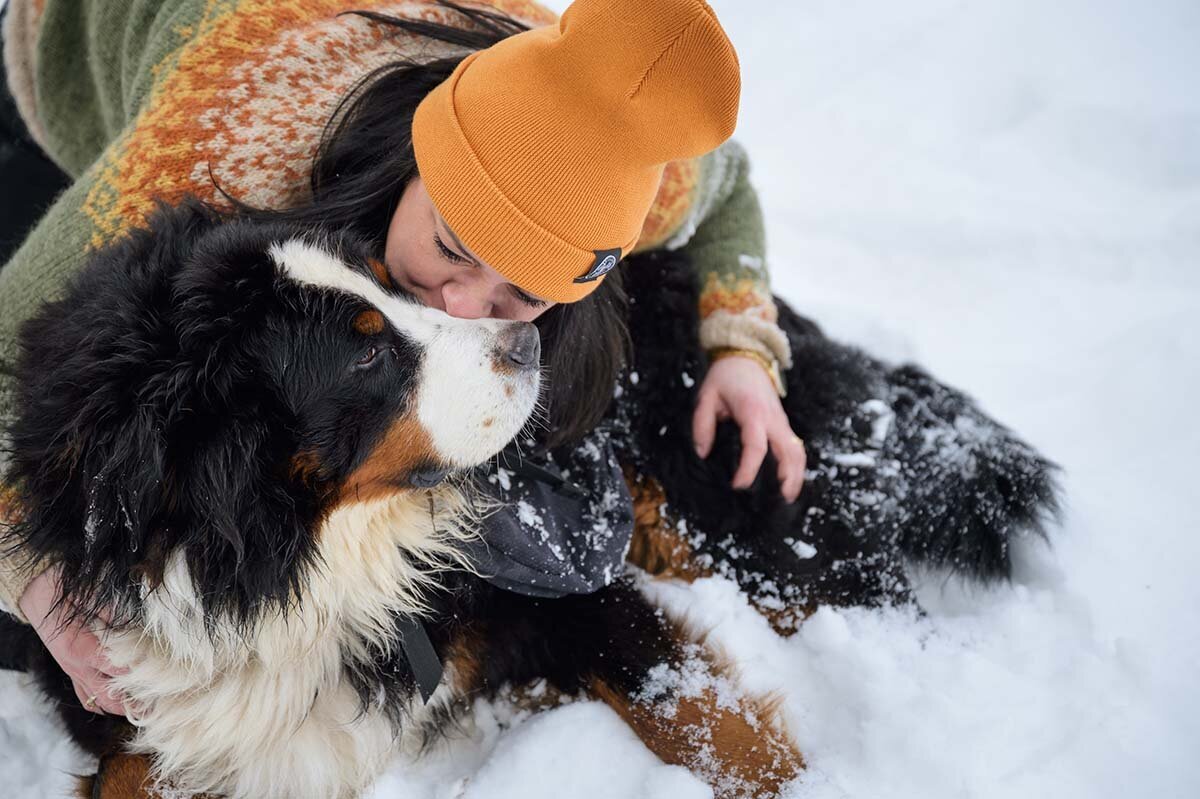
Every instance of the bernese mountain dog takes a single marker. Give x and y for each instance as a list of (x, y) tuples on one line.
[(241, 444)]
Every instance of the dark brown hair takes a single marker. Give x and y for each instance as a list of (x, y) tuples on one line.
[(364, 162)]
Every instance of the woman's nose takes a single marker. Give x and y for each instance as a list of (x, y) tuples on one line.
[(466, 301)]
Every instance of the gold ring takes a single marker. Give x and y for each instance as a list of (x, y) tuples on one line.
[(91, 702)]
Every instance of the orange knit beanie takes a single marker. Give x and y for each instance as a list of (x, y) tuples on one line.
[(544, 152)]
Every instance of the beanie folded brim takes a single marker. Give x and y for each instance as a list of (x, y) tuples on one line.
[(480, 214)]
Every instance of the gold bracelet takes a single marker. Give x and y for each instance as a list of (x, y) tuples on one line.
[(769, 364)]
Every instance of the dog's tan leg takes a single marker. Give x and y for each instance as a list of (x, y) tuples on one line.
[(125, 776), (119, 776), (697, 718), (660, 548)]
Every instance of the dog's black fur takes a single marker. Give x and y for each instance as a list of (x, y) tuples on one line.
[(160, 401), (900, 466), (180, 447)]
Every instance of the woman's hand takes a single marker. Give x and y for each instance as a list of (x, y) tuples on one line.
[(739, 388), (74, 646)]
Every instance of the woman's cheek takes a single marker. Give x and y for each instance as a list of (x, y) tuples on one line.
[(406, 269)]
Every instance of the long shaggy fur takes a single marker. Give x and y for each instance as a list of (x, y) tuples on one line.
[(141, 425)]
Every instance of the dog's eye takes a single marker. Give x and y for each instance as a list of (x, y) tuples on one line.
[(369, 357)]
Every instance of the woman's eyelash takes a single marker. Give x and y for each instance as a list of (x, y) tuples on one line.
[(532, 302), (446, 251)]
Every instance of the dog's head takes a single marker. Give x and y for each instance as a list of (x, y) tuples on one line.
[(217, 390)]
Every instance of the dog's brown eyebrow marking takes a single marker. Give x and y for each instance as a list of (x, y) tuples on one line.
[(369, 322), (306, 467), (381, 273)]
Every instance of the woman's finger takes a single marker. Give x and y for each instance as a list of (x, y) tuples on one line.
[(789, 451), (76, 644), (704, 422), (105, 615), (83, 648), (96, 657), (110, 701), (97, 695), (89, 695), (754, 449)]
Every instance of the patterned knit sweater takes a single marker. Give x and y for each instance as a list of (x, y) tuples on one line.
[(140, 100)]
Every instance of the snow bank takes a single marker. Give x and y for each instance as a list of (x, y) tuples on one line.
[(1008, 192)]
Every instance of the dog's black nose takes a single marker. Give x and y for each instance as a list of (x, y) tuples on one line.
[(520, 346)]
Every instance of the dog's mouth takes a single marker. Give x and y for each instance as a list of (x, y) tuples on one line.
[(428, 477)]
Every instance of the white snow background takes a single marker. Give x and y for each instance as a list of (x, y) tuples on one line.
[(1009, 193)]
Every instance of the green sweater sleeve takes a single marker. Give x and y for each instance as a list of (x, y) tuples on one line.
[(80, 71), (707, 207), (724, 237)]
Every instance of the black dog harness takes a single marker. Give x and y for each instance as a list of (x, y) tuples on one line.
[(562, 527)]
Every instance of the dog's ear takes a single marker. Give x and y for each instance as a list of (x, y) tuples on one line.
[(133, 442), (225, 283), (238, 515), (81, 375)]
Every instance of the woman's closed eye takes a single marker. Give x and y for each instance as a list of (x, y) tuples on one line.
[(449, 254), (532, 302), (453, 257)]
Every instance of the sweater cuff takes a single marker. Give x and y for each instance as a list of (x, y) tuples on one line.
[(20, 37), (746, 331), (15, 571)]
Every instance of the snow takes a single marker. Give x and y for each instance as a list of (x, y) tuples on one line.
[(803, 549), (1009, 193), (503, 477)]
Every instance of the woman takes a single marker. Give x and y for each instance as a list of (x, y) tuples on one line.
[(506, 183)]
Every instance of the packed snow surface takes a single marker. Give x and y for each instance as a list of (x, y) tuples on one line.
[(1009, 193)]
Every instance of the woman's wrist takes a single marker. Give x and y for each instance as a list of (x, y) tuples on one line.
[(769, 364)]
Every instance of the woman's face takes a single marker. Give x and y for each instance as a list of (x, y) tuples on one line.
[(425, 257)]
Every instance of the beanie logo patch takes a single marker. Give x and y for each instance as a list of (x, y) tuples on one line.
[(604, 263)]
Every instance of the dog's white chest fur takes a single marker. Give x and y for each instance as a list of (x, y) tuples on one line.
[(270, 713)]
